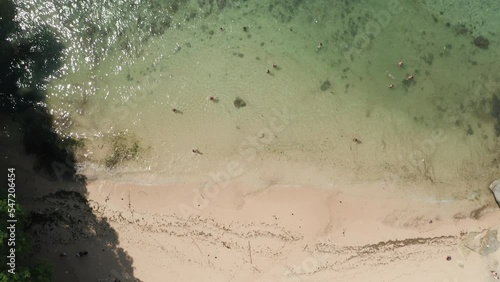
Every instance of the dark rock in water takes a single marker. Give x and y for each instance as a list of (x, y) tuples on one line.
[(325, 85), (481, 42), (239, 103)]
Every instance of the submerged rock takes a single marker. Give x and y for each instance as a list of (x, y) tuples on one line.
[(481, 42), (239, 103), (325, 85), (495, 188)]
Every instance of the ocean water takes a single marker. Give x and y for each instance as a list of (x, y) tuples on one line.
[(324, 115)]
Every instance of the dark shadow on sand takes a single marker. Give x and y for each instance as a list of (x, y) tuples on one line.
[(58, 216)]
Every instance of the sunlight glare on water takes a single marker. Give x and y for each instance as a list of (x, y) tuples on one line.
[(332, 66)]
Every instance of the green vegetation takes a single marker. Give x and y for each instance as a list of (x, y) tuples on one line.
[(26, 268), (122, 149)]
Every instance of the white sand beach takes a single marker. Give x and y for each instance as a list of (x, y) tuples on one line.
[(363, 232)]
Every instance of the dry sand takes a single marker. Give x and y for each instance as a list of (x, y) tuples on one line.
[(357, 232)]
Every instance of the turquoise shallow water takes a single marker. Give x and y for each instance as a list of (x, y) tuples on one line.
[(326, 108)]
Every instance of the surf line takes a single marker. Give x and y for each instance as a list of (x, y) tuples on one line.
[(248, 149)]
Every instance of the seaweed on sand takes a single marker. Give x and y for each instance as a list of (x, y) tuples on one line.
[(123, 149)]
